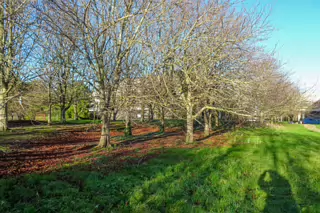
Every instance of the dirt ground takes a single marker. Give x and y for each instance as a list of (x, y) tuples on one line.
[(71, 145)]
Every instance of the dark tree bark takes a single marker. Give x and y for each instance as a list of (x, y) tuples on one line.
[(114, 114), (162, 119), (151, 113), (142, 113)]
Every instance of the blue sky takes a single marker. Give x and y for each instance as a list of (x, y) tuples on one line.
[(297, 37)]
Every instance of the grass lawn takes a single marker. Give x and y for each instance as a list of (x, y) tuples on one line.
[(266, 170), (26, 133)]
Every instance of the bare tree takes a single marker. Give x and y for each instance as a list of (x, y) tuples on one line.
[(16, 44), (204, 46), (271, 92), (104, 33)]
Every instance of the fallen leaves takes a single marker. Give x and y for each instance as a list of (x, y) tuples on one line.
[(68, 147)]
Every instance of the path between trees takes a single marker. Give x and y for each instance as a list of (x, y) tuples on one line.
[(312, 128)]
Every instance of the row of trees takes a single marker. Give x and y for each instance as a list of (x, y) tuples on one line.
[(192, 59)]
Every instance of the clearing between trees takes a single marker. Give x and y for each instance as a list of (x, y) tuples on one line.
[(249, 170)]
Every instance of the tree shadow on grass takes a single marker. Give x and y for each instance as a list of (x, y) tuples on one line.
[(215, 133), (279, 193), (310, 195), (124, 141), (84, 188), (294, 154), (96, 187)]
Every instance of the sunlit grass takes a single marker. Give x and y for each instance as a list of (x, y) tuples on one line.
[(266, 170)]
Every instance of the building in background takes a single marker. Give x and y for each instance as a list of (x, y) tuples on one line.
[(313, 117)]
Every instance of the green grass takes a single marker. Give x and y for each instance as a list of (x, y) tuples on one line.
[(272, 171), (26, 133)]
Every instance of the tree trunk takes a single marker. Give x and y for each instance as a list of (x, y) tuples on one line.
[(3, 91), (50, 105), (207, 121), (162, 120), (216, 118), (151, 113), (3, 111), (261, 118), (63, 115), (76, 114), (128, 128), (50, 114), (142, 113), (105, 131), (210, 120), (189, 136), (114, 114)]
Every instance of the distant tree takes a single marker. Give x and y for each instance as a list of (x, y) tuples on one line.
[(32, 101), (271, 94)]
